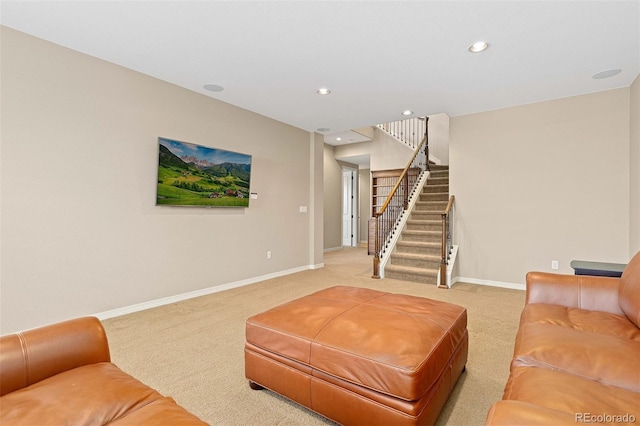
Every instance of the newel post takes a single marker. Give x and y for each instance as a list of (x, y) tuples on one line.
[(376, 256), (426, 141), (443, 261)]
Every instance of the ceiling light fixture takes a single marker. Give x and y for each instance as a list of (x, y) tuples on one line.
[(323, 129), (213, 87), (478, 46), (407, 112), (338, 139), (606, 74), (323, 91)]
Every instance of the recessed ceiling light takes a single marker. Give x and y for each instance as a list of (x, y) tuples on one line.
[(213, 87), (606, 74), (323, 91), (407, 112), (478, 46), (338, 139)]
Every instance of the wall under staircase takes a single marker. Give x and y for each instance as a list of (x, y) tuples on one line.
[(418, 252)]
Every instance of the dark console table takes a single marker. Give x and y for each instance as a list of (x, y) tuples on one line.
[(600, 269)]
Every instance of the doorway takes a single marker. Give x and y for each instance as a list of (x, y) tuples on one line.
[(349, 207)]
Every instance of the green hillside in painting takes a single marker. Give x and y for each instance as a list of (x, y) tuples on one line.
[(193, 181)]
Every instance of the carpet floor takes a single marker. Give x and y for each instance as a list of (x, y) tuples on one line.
[(193, 350)]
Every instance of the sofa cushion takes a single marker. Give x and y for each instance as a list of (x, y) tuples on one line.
[(629, 290), (95, 394), (580, 319), (569, 393), (161, 412), (518, 413), (606, 358)]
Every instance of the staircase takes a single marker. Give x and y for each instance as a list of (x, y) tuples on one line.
[(418, 253)]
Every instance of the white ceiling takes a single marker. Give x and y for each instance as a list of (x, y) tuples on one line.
[(377, 57)]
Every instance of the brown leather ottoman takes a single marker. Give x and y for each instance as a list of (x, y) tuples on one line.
[(360, 356)]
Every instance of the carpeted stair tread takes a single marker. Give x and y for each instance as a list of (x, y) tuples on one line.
[(425, 226), (422, 261), (426, 215), (430, 206), (409, 273), (437, 181), (435, 188), (415, 233), (419, 247), (424, 222), (419, 244), (439, 169), (434, 196), (411, 269), (416, 256)]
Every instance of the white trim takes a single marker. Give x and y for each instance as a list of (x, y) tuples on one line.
[(193, 294), (490, 283), (352, 203), (452, 262), (435, 160), (404, 216)]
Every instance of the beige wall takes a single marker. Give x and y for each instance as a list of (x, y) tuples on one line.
[(439, 137), (634, 164), (364, 209), (541, 182), (332, 200), (316, 210), (385, 151), (80, 230)]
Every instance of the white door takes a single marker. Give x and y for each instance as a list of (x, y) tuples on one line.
[(349, 218)]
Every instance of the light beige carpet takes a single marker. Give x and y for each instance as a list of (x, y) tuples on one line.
[(193, 350)]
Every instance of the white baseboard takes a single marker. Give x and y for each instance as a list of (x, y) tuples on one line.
[(490, 283), (203, 292)]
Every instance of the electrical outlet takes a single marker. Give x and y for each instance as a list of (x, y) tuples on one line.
[(269, 254), (554, 264)]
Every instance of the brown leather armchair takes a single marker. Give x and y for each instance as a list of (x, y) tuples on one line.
[(577, 352), (62, 374)]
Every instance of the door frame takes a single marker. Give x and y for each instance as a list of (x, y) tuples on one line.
[(351, 205)]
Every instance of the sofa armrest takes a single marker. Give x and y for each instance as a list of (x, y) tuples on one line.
[(574, 291), (31, 356)]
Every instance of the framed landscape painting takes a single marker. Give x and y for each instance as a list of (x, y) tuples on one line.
[(195, 175)]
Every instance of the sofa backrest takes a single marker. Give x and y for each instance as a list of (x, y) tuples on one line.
[(629, 290), (33, 355)]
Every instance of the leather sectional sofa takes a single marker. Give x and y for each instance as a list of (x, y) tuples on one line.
[(62, 374), (577, 352)]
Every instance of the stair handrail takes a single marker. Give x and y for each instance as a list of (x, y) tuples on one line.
[(447, 241), (389, 213)]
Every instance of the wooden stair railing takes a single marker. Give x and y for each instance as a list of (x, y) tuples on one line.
[(385, 219), (447, 241)]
